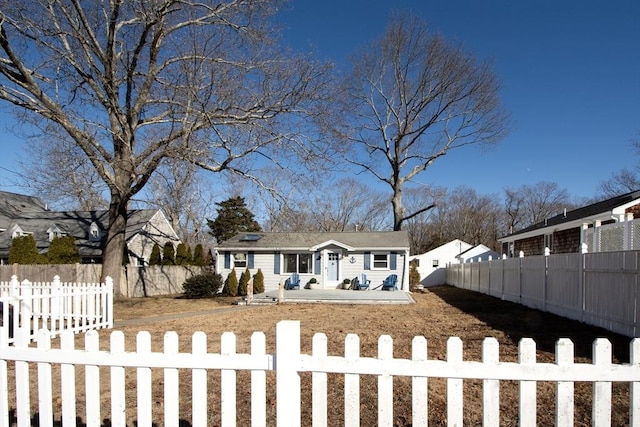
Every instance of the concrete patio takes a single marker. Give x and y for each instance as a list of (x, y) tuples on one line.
[(335, 296)]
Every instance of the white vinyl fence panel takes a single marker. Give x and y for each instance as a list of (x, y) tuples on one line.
[(288, 363), (601, 289)]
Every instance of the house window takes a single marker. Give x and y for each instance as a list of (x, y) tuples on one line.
[(380, 262), (240, 260), (435, 263), (55, 232), (297, 263)]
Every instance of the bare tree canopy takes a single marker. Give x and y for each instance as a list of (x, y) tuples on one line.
[(625, 180), (133, 83), (531, 204), (412, 98)]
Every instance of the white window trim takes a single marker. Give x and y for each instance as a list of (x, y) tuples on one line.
[(388, 261), (234, 262)]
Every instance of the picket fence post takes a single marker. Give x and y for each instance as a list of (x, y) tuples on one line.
[(287, 376), (454, 385), (528, 391), (420, 386)]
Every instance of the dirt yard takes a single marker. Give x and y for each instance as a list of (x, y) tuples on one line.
[(438, 314)]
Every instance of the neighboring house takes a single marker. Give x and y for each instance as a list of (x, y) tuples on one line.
[(20, 215), (604, 226), (432, 265), (328, 257), (477, 253)]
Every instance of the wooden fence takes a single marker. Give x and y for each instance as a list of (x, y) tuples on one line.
[(134, 281), (55, 306), (601, 289), (289, 363)]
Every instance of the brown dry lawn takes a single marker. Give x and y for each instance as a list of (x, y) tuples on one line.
[(438, 314)]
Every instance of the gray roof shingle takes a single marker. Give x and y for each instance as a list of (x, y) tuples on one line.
[(372, 240)]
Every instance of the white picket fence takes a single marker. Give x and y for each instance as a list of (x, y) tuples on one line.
[(55, 306), (288, 363)]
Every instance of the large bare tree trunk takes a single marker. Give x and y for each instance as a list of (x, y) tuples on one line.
[(114, 245)]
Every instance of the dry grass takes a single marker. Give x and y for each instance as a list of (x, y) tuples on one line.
[(438, 314)]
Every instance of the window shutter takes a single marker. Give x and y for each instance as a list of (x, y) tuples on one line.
[(367, 260), (393, 261), (276, 263), (317, 262), (250, 260), (227, 260)]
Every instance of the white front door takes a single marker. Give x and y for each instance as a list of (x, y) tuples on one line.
[(333, 267)]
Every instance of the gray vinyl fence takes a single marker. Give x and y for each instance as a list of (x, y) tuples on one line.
[(600, 289)]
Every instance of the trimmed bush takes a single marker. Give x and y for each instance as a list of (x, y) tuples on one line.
[(258, 282), (198, 255), (168, 254), (414, 276), (204, 285), (231, 284), (244, 280), (155, 258), (23, 250), (63, 250), (182, 256)]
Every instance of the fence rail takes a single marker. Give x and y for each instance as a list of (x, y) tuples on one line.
[(55, 306), (288, 363), (601, 289)]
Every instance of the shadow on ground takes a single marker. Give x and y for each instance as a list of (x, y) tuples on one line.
[(518, 321)]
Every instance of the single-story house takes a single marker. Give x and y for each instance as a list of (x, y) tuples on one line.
[(477, 253), (21, 215), (608, 225), (328, 257), (432, 265)]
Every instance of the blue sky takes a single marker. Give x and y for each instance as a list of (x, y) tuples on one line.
[(570, 72)]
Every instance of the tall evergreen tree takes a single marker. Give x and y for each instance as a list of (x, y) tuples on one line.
[(233, 217)]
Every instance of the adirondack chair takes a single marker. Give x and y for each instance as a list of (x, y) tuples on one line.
[(292, 282), (363, 282), (390, 283)]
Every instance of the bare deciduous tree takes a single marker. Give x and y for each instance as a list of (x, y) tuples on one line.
[(61, 174), (413, 97), (186, 198), (624, 181), (531, 204), (133, 83)]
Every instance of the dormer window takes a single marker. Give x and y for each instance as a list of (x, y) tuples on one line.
[(54, 232), (17, 232), (94, 231)]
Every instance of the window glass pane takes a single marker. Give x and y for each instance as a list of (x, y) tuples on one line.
[(380, 261), (305, 263), (240, 260), (290, 261)]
